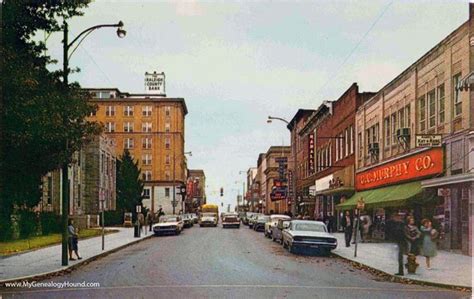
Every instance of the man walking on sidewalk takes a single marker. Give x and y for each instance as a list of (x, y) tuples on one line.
[(347, 224), (396, 232)]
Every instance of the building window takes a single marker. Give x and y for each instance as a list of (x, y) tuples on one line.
[(110, 127), (167, 127), (167, 159), (167, 110), (432, 108), (50, 190), (401, 118), (352, 143), (387, 131), (167, 175), (422, 113), (407, 116), (393, 122), (128, 127), (128, 143), (146, 143), (359, 140), (167, 143), (146, 127), (457, 95), (341, 146), (146, 175), (347, 143), (167, 192), (146, 110), (330, 154), (128, 111), (337, 149), (110, 111), (146, 159), (441, 103), (146, 193)]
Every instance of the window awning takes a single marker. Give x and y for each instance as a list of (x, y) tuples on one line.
[(392, 196), (341, 190)]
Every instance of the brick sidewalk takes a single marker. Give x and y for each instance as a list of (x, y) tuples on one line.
[(447, 268), (48, 259)]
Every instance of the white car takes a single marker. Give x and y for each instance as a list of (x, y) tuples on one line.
[(273, 222), (169, 224), (309, 235), (208, 219)]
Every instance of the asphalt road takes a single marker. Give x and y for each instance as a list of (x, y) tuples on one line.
[(224, 263)]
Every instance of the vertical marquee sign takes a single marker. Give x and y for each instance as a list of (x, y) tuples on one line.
[(311, 153)]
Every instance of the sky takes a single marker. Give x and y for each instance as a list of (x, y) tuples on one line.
[(235, 63)]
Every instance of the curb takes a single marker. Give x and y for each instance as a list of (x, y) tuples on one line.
[(70, 268), (404, 279)]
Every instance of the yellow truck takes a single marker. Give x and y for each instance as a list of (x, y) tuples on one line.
[(209, 215)]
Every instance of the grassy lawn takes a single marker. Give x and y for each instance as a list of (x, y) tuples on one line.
[(16, 246)]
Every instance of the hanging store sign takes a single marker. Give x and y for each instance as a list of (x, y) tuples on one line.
[(311, 153), (414, 167), (428, 140)]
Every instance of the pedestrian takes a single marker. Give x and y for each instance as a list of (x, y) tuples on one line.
[(428, 246), (73, 240), (330, 223), (149, 220), (412, 235), (347, 224), (141, 220), (395, 231)]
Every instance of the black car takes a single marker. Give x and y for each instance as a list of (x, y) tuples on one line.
[(259, 224)]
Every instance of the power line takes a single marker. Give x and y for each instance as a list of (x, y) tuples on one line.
[(100, 69), (331, 78)]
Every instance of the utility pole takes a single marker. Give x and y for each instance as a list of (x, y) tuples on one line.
[(174, 187), (64, 168)]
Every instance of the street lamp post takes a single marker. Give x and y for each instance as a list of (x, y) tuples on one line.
[(64, 169), (293, 149)]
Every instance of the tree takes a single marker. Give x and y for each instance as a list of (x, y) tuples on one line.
[(35, 104), (129, 185)]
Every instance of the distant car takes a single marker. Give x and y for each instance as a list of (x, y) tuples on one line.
[(168, 224), (259, 224), (208, 219), (278, 229), (309, 235), (273, 221), (194, 217), (252, 219), (230, 220), (187, 220), (246, 217)]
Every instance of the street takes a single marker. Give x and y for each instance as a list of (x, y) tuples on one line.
[(220, 263)]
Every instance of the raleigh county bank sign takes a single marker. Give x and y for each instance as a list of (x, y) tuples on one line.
[(413, 167), (155, 83)]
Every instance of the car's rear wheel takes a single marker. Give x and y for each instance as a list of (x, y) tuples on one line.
[(273, 238), (284, 244), (291, 249)]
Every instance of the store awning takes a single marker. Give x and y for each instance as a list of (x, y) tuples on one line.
[(392, 196), (335, 191)]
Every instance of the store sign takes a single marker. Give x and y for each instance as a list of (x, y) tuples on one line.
[(279, 190), (414, 167), (428, 140), (155, 83), (311, 153)]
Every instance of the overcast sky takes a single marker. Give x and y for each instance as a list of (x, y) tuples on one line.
[(235, 63)]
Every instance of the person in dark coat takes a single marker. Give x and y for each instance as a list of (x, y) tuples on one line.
[(395, 231), (347, 223)]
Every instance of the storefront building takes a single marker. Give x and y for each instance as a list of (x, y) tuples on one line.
[(423, 102)]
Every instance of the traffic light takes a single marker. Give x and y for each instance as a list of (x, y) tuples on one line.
[(222, 191)]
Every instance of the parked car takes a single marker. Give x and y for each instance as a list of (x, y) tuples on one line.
[(309, 235), (246, 217), (230, 220), (260, 221), (273, 221), (278, 229), (187, 220), (168, 224), (208, 219), (252, 219), (194, 217)]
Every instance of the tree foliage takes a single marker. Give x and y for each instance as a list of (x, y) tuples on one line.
[(43, 121), (129, 185)]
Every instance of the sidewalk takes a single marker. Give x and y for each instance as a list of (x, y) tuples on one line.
[(447, 268), (48, 259)]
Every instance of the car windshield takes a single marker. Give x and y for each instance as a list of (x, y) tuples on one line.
[(169, 219), (310, 227), (263, 217)]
